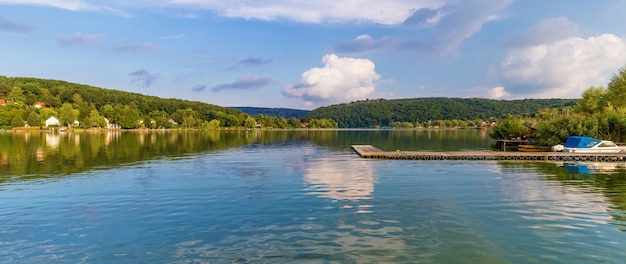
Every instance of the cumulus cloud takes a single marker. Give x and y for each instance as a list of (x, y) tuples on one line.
[(79, 39), (142, 78), (341, 79), (136, 48), (14, 27), (362, 43), (245, 82), (546, 31), (564, 68), (497, 93)]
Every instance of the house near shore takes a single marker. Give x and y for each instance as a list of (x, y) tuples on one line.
[(52, 121), (39, 105)]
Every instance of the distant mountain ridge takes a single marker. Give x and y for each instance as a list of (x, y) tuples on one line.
[(273, 112)]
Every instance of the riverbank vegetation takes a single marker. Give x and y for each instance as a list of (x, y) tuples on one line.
[(431, 112), (600, 113), (29, 102)]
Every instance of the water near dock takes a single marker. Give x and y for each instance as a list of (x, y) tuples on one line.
[(368, 151), (298, 197)]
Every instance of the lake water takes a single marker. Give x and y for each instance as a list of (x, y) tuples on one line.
[(297, 197)]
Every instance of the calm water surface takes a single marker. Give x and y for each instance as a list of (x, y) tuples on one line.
[(297, 197)]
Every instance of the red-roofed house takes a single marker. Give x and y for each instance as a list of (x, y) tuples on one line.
[(39, 105)]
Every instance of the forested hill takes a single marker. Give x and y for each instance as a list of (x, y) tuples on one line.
[(54, 93), (273, 112), (382, 113)]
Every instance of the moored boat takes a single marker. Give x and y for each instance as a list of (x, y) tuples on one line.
[(582, 144)]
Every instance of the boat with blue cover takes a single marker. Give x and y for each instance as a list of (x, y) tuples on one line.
[(582, 144)]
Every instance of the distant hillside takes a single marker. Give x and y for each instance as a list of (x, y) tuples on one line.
[(277, 112), (118, 106), (380, 113), (58, 92)]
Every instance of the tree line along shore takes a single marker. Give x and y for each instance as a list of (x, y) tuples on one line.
[(600, 112)]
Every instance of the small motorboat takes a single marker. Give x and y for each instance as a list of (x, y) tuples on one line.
[(581, 144)]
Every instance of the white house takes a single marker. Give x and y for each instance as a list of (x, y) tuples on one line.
[(53, 121)]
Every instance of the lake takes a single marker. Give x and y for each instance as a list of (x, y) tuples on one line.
[(300, 196)]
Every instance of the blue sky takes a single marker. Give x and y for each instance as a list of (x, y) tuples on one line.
[(307, 54)]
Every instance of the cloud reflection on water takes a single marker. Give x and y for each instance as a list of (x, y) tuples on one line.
[(329, 178)]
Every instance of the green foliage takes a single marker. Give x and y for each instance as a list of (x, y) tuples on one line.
[(381, 113), (278, 112), (67, 115), (214, 124), (110, 104), (510, 127), (17, 121), (94, 120), (322, 123), (612, 126), (591, 101), (250, 122), (557, 130), (16, 95), (402, 124), (616, 89), (129, 117), (33, 119)]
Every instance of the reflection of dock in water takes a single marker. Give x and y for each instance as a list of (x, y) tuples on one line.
[(370, 152)]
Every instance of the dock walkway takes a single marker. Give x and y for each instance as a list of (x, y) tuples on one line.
[(370, 152)]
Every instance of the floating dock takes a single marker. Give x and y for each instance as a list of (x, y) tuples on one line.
[(370, 152)]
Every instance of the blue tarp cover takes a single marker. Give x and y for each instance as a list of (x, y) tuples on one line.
[(580, 142)]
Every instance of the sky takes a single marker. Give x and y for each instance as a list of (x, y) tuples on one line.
[(307, 54)]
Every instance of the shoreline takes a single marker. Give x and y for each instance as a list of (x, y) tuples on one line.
[(90, 130)]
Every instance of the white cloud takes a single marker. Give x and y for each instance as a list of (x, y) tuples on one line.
[(320, 11), (72, 5), (497, 93), (562, 69), (341, 79)]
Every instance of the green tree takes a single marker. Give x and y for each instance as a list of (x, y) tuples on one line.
[(214, 124), (591, 101), (161, 119), (250, 122), (557, 130), (46, 113), (510, 127), (129, 117), (294, 122), (616, 89), (94, 119), (18, 120), (109, 112), (188, 117), (67, 114), (33, 119), (16, 95)]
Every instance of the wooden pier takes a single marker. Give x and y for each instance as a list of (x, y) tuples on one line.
[(370, 152)]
